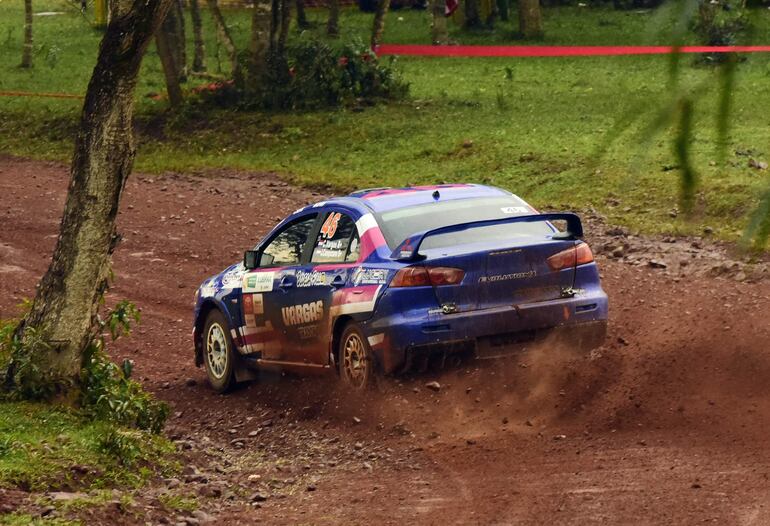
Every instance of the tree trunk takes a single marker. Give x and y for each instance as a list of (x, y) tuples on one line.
[(224, 36), (67, 298), (26, 55), (530, 19), (472, 17), (302, 22), (180, 45), (168, 62), (333, 24), (259, 47), (502, 7), (199, 55), (440, 36), (379, 21)]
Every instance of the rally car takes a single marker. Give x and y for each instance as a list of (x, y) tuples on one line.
[(386, 280)]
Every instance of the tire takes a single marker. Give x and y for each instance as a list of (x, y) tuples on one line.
[(218, 354), (357, 366)]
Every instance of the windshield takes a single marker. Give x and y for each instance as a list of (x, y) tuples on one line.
[(397, 225)]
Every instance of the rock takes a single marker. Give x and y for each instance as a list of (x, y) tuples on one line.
[(254, 477), (401, 429), (191, 382), (356, 420), (65, 496), (310, 487), (708, 230), (433, 386), (656, 263), (368, 466), (622, 341), (358, 445), (618, 251), (210, 491), (759, 165), (559, 437), (505, 420), (470, 442), (202, 516), (467, 143), (257, 497)]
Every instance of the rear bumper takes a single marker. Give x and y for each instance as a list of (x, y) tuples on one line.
[(401, 343)]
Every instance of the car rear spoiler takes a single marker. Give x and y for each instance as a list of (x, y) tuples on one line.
[(409, 249)]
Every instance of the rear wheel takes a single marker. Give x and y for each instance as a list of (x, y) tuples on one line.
[(355, 357), (218, 352)]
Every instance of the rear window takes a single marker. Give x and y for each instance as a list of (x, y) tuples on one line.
[(399, 224)]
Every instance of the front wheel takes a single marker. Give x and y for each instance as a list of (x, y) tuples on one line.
[(218, 352), (356, 359)]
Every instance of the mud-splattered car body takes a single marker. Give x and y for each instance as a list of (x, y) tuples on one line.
[(423, 271)]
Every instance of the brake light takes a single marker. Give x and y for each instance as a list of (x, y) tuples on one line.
[(572, 257), (427, 276)]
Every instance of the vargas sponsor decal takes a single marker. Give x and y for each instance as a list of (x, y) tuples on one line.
[(304, 313)]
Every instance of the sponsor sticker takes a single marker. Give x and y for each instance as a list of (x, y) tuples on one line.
[(258, 282), (515, 210), (369, 276), (233, 278), (311, 279), (507, 277), (303, 314)]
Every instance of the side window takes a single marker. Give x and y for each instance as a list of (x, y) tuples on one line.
[(286, 247), (337, 242)]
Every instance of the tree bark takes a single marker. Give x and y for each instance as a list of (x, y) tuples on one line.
[(472, 17), (225, 37), (439, 36), (379, 21), (67, 298), (302, 22), (530, 19), (170, 71), (26, 54), (333, 24), (259, 47), (199, 55)]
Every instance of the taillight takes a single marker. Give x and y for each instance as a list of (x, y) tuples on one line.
[(426, 276), (573, 256)]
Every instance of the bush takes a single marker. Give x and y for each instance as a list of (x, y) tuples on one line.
[(720, 23), (106, 391), (314, 75)]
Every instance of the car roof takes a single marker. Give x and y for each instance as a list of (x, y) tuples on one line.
[(385, 199)]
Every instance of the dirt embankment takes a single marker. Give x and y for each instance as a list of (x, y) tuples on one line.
[(666, 424)]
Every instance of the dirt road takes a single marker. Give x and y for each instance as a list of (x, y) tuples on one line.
[(669, 423)]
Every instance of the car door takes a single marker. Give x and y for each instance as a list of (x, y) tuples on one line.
[(306, 320), (266, 290)]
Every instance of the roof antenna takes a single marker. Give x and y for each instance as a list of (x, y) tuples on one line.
[(436, 195)]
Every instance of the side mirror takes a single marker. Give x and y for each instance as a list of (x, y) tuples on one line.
[(251, 259)]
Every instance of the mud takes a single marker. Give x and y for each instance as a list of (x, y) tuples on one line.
[(666, 424)]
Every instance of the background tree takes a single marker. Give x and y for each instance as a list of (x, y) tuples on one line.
[(224, 36), (333, 23), (259, 47), (439, 34), (63, 313), (302, 22), (530, 19), (26, 54), (472, 16), (165, 43), (379, 21), (199, 47)]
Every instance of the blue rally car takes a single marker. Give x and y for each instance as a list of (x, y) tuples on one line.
[(386, 280)]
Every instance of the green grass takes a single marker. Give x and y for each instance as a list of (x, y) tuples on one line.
[(536, 124), (45, 447)]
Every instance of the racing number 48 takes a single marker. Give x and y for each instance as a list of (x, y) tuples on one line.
[(329, 227)]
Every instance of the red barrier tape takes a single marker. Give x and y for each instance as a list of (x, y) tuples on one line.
[(29, 94), (553, 51)]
